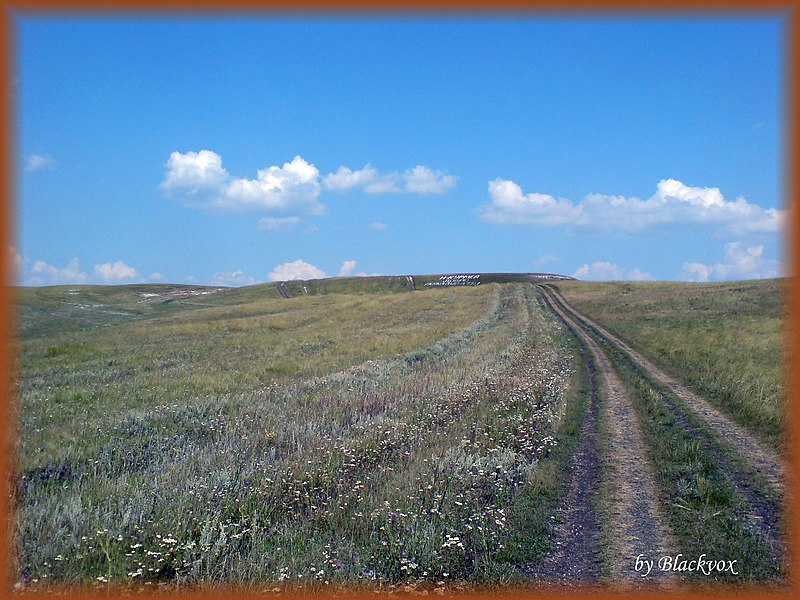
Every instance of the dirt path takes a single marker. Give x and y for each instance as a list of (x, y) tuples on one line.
[(576, 558), (635, 524), (745, 445)]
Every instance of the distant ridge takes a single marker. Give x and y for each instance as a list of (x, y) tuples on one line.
[(398, 283)]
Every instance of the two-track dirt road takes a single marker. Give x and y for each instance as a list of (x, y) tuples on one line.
[(631, 506), (745, 444), (629, 485)]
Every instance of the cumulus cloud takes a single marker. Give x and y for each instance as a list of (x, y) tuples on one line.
[(43, 273), (673, 202), (115, 272), (599, 270), (738, 263), (234, 278), (422, 180), (345, 179), (277, 223), (199, 180), (419, 180), (348, 267), (377, 226), (298, 269), (696, 271), (36, 162), (608, 271)]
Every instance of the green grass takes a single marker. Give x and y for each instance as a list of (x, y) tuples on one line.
[(531, 524), (362, 439), (705, 510), (725, 340), (208, 352)]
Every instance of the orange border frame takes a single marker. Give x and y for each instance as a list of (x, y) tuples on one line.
[(8, 158)]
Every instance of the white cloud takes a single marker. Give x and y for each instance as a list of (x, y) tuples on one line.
[(638, 275), (377, 226), (43, 273), (115, 272), (277, 223), (154, 277), (599, 270), (696, 271), (36, 162), (673, 202), (419, 180), (348, 267), (608, 271), (298, 269), (199, 180), (739, 263), (234, 278), (345, 179), (422, 180)]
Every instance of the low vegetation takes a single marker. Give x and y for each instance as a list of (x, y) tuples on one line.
[(705, 509), (360, 435), (340, 439)]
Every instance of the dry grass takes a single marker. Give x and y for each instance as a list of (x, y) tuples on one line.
[(320, 440)]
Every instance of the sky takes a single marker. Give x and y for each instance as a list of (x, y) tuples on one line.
[(234, 151)]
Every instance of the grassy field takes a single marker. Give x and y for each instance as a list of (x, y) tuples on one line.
[(726, 340), (201, 435), (357, 434)]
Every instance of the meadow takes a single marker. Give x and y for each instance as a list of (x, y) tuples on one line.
[(206, 436), (361, 435)]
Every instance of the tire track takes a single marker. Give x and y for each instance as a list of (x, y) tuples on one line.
[(745, 445), (577, 558), (636, 524)]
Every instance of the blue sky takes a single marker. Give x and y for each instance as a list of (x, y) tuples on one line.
[(240, 150)]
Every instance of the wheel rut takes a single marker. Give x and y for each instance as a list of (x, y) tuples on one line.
[(576, 558), (635, 523), (757, 474), (762, 460)]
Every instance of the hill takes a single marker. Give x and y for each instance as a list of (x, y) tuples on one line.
[(361, 434)]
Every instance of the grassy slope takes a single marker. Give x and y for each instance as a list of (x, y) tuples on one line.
[(238, 436), (181, 351), (724, 339)]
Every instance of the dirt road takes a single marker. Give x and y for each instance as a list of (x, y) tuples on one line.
[(743, 443), (634, 521)]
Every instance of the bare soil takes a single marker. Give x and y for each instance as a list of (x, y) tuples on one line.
[(636, 524), (576, 558)]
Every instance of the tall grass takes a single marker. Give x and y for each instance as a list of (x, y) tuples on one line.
[(321, 440)]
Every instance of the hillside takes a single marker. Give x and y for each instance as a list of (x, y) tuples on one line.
[(361, 434)]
